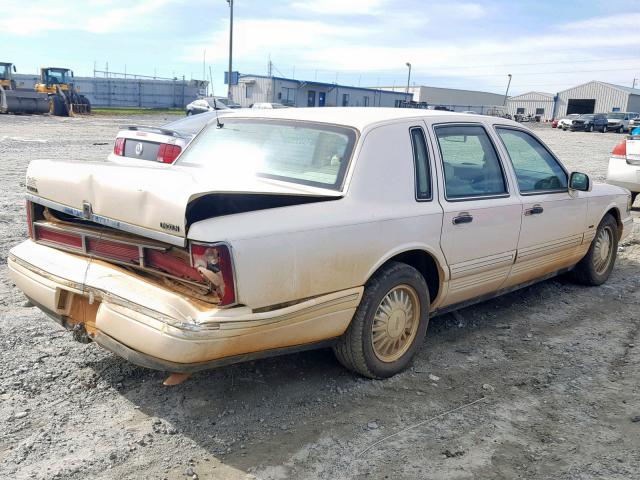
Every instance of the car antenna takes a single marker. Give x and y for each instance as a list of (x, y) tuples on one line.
[(215, 109)]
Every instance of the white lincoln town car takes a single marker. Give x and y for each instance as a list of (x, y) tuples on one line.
[(283, 230)]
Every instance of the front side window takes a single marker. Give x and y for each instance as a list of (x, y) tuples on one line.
[(470, 162), (536, 169), (298, 152), (421, 160)]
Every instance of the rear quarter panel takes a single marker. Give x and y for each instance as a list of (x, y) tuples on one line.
[(290, 253)]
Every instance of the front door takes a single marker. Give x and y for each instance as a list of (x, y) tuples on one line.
[(554, 220), (482, 216), (321, 99), (311, 98)]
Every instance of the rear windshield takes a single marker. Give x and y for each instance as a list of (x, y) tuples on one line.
[(298, 152)]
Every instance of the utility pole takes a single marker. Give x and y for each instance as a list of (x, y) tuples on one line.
[(406, 98), (408, 77), (506, 94), (230, 2), (634, 83)]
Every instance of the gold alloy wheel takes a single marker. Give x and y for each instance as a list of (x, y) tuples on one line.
[(603, 250), (395, 323)]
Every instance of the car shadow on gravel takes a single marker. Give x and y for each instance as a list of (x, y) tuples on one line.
[(262, 412)]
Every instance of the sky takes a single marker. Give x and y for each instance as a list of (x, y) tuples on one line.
[(546, 45)]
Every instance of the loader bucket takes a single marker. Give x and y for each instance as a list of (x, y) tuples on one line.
[(23, 101)]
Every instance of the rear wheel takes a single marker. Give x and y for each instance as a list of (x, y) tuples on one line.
[(589, 128), (389, 324), (595, 268)]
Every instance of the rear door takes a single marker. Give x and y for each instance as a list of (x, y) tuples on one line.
[(482, 216), (553, 219)]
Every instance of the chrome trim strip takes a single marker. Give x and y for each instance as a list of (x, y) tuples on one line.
[(109, 222)]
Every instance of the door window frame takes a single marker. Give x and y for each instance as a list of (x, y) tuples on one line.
[(505, 176), (415, 164), (497, 126)]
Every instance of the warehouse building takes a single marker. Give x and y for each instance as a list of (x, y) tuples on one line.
[(538, 104), (597, 97), (452, 98), (252, 89)]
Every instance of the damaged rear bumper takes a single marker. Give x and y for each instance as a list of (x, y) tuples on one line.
[(155, 327)]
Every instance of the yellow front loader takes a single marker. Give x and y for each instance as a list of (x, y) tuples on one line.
[(64, 97)]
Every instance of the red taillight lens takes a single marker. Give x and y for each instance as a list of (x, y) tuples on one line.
[(214, 264), (30, 219), (116, 250), (118, 147), (620, 150), (168, 153), (60, 238)]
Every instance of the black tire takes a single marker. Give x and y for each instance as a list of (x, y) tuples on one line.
[(355, 349), (604, 129), (87, 104), (58, 107), (589, 128), (587, 271)]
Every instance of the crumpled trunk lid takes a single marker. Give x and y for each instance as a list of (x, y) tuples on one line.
[(150, 201)]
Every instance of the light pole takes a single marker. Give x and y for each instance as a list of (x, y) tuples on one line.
[(408, 81), (230, 2), (506, 94)]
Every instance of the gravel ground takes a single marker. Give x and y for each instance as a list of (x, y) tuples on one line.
[(540, 384)]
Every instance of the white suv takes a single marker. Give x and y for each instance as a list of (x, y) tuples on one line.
[(624, 166)]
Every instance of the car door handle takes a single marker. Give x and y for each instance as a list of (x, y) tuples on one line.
[(535, 210), (464, 217)]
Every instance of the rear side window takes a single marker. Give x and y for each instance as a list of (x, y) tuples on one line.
[(535, 167), (470, 162), (421, 160)]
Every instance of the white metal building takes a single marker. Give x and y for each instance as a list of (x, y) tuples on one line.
[(532, 103), (300, 93), (597, 97), (453, 98)]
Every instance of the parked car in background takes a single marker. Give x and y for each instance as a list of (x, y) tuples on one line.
[(203, 105), (228, 103), (624, 166), (619, 121), (565, 122), (600, 122), (141, 144), (296, 234), (267, 105), (584, 123)]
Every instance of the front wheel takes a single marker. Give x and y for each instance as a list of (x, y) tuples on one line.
[(389, 324), (595, 268)]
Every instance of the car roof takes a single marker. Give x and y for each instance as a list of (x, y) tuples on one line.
[(362, 117)]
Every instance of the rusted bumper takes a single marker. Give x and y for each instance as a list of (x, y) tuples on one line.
[(155, 327)]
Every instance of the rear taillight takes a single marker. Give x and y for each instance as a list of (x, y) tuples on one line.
[(620, 151), (30, 219), (213, 262), (168, 153), (118, 147)]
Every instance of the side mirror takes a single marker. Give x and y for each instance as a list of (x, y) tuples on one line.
[(14, 68), (580, 181)]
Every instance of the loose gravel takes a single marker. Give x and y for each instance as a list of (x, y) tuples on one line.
[(542, 383)]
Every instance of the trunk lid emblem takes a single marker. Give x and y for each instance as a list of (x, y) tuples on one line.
[(139, 148)]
